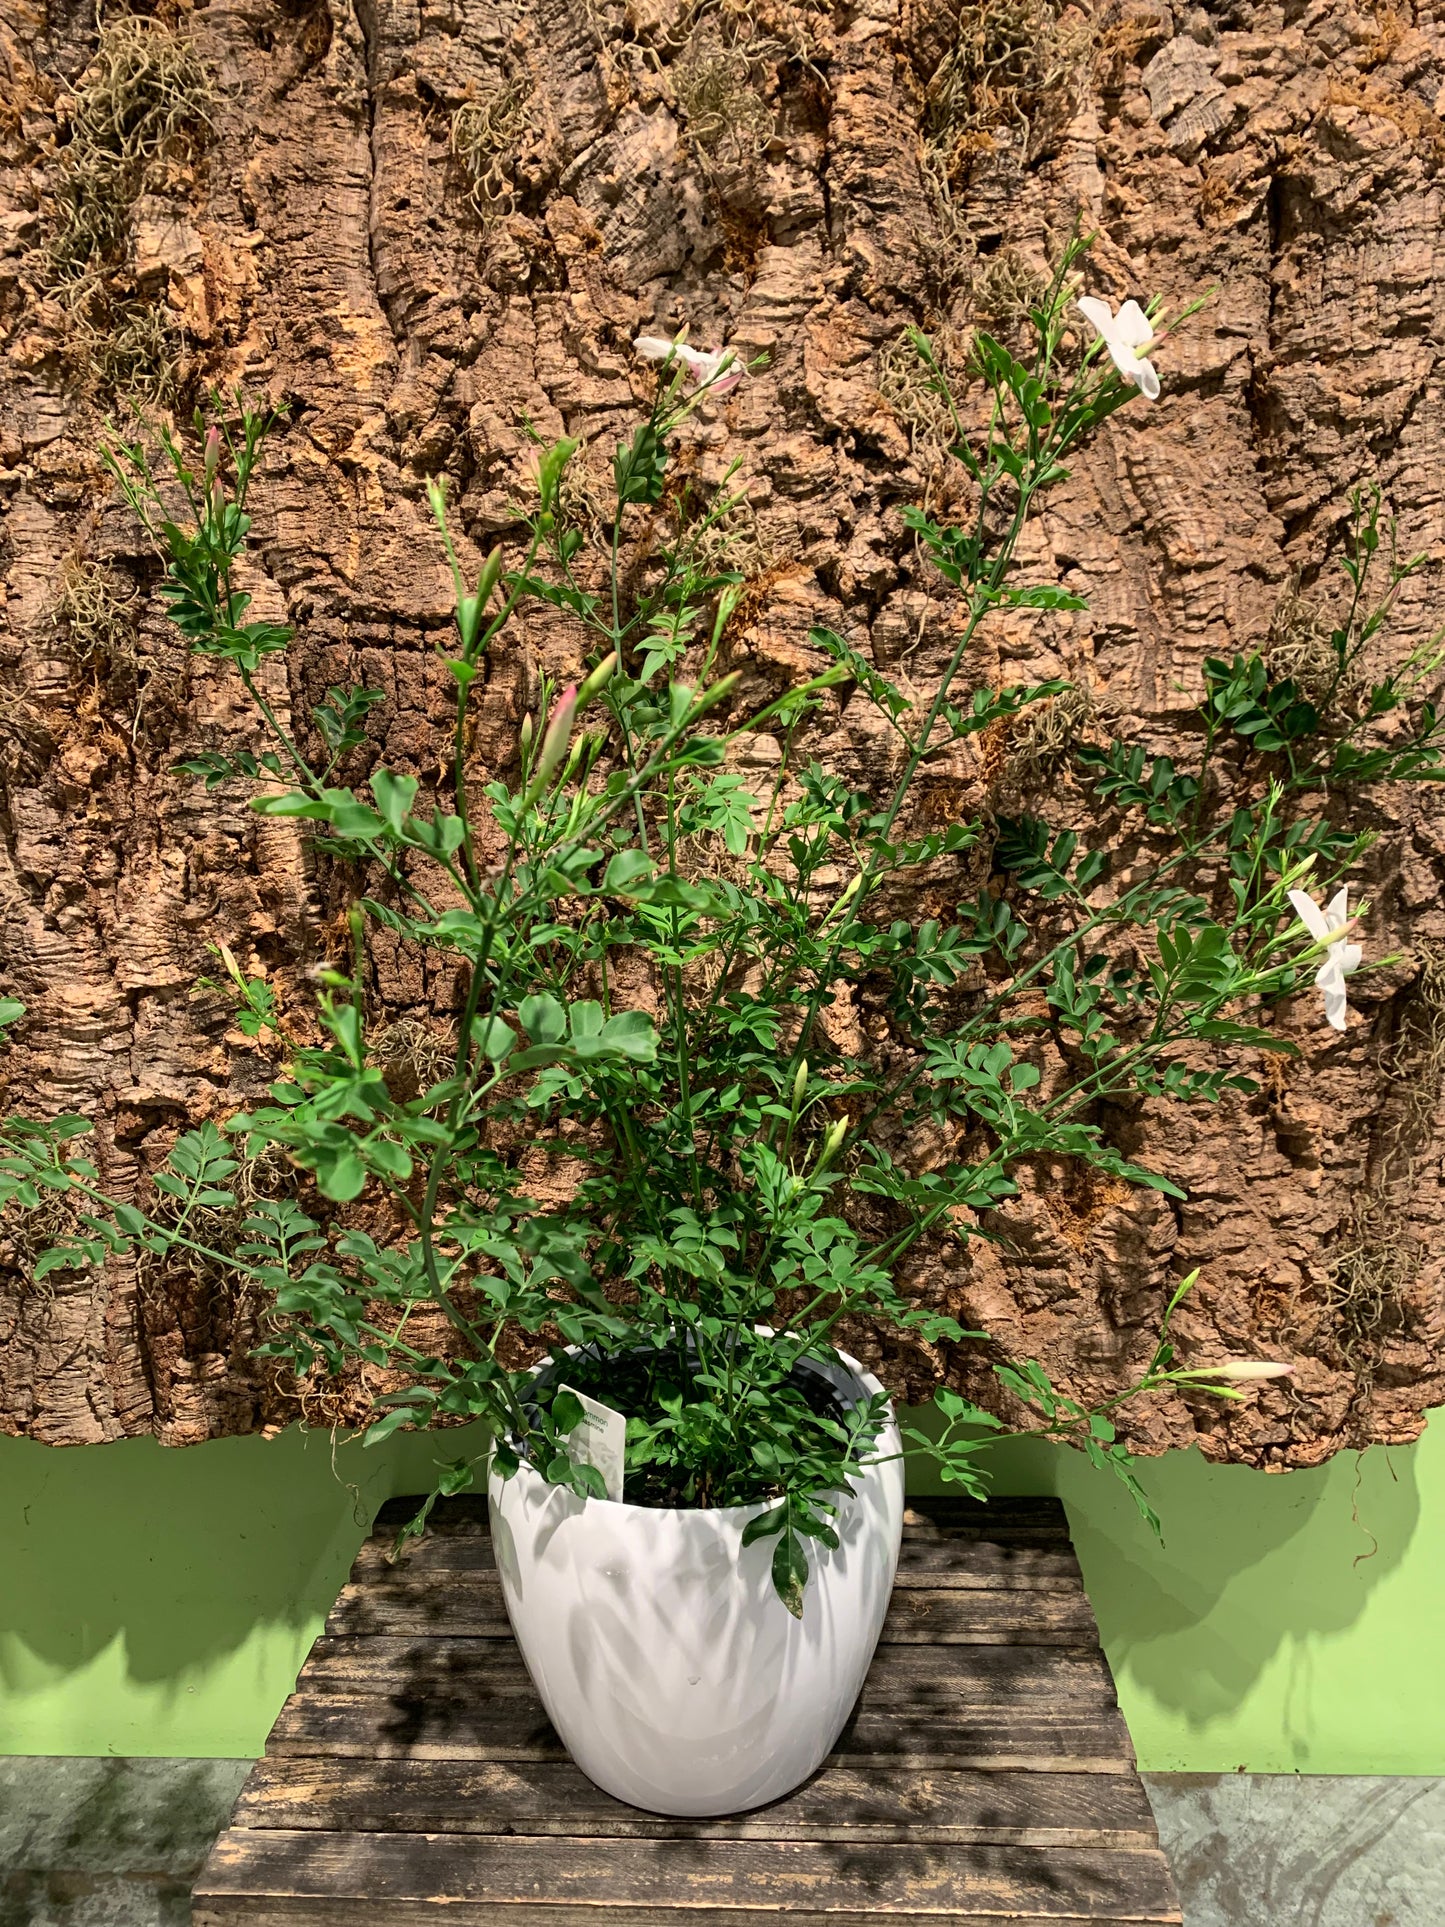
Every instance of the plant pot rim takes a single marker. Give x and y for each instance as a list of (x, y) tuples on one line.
[(722, 1513)]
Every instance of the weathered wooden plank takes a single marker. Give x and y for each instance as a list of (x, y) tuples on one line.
[(469, 1605), (941, 1559), (312, 1911), (452, 1604), (1048, 1567), (902, 1675), (841, 1803), (511, 1727), (948, 1616), (985, 1776), (602, 1877)]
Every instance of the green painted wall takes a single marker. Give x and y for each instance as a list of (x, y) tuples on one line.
[(1289, 1623), (161, 1602)]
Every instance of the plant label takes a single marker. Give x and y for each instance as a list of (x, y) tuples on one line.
[(600, 1440)]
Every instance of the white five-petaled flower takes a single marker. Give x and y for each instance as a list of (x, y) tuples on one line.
[(703, 368), (1341, 959), (1124, 334)]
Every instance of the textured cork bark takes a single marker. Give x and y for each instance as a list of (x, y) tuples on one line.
[(427, 227)]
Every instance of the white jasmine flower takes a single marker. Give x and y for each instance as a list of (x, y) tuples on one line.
[(717, 370), (1341, 959), (1124, 334)]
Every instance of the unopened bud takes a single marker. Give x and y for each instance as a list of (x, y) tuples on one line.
[(1245, 1371), (218, 500), (710, 698), (597, 680), (846, 898), (213, 454), (491, 573), (832, 1143), (800, 1085), (526, 733), (554, 743)]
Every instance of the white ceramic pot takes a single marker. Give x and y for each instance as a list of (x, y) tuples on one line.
[(675, 1676)]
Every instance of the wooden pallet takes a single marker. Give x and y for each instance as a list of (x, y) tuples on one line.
[(985, 1776)]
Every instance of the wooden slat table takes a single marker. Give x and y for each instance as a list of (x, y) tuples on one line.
[(985, 1776)]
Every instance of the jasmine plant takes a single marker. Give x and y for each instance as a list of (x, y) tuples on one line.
[(649, 948)]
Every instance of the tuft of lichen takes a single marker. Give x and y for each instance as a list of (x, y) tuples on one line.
[(716, 82), (1010, 61), (1299, 648), (96, 615), (127, 346), (906, 384), (142, 115), (415, 1054), (1377, 1256), (1005, 286), (486, 132), (1044, 736)]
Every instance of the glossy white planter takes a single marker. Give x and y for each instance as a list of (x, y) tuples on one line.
[(674, 1674)]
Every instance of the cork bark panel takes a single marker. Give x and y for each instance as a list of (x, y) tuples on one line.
[(325, 248)]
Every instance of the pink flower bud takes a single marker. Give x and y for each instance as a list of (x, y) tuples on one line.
[(1245, 1371), (554, 743), (213, 454), (559, 723)]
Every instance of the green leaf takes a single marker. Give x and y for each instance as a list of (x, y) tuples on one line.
[(631, 1034), (588, 1482), (543, 1019), (342, 1178), (394, 796), (10, 1011), (766, 1523), (392, 1421), (627, 868), (1043, 595), (454, 1477), (388, 1157), (495, 1039), (790, 1572), (58, 1258), (567, 1413)]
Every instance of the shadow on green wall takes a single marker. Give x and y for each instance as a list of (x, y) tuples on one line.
[(161, 1601), (181, 1554), (1251, 1565), (1254, 1571)]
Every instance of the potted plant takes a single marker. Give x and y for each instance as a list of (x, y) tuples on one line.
[(669, 1166)]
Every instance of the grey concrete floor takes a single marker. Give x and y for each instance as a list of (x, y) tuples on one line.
[(117, 1843), (108, 1843), (1285, 1850)]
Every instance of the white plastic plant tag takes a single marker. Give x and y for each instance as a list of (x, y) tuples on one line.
[(600, 1440)]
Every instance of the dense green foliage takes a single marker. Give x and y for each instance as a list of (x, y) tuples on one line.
[(649, 950)]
